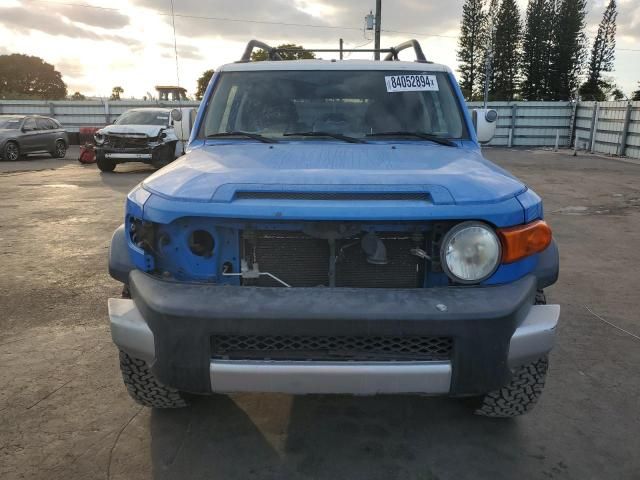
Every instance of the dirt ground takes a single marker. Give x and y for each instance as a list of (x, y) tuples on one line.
[(65, 414)]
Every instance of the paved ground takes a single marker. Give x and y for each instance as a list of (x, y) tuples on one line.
[(64, 413)]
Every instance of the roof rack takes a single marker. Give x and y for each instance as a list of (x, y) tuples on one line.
[(392, 53)]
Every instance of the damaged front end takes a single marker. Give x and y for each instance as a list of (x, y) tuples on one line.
[(291, 254), (121, 147)]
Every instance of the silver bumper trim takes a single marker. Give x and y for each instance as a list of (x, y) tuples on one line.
[(135, 156), (129, 330), (535, 336), (358, 378)]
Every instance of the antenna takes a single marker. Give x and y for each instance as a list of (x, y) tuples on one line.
[(175, 50)]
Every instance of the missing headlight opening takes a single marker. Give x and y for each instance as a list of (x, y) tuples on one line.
[(201, 243)]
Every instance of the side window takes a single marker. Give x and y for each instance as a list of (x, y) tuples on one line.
[(30, 125), (43, 124), (53, 125)]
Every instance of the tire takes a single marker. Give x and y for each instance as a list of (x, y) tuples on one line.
[(11, 152), (520, 395), (60, 150), (144, 388), (105, 164)]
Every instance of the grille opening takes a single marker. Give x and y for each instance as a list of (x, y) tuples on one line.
[(303, 261), (331, 348)]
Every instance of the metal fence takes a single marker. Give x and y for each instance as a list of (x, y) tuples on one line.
[(81, 113), (611, 128)]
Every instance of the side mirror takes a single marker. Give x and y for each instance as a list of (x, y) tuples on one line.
[(176, 115), (485, 121)]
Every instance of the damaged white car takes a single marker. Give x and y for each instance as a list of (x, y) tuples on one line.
[(151, 135)]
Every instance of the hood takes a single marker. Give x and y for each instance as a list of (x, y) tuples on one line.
[(214, 173), (149, 130)]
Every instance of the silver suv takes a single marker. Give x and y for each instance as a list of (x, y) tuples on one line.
[(22, 134)]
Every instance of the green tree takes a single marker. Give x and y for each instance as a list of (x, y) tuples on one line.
[(473, 31), (115, 93), (203, 83), (536, 49), (261, 55), (617, 94), (24, 76), (78, 96), (635, 96), (568, 49), (507, 52), (602, 55)]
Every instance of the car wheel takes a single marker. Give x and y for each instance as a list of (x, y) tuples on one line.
[(520, 395), (105, 164), (144, 388), (60, 150), (11, 152)]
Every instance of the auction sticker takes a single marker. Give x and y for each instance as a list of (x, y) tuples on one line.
[(411, 83)]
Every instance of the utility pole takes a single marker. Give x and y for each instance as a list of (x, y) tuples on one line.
[(376, 54)]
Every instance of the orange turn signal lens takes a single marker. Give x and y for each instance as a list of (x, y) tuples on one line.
[(524, 240)]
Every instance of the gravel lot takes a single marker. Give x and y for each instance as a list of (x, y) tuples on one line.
[(64, 412)]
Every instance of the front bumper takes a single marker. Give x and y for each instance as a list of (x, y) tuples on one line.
[(169, 325), (143, 154)]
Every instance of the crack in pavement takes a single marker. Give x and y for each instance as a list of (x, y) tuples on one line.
[(115, 442)]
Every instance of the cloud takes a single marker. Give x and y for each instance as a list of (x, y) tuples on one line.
[(190, 21), (94, 17), (37, 18), (185, 52)]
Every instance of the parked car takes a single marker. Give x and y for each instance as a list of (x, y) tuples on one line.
[(23, 134), (335, 229), (150, 135)]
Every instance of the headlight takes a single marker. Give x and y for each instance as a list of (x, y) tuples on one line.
[(470, 252), (99, 138)]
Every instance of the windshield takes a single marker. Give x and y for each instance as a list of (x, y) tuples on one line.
[(144, 117), (357, 104), (10, 123)]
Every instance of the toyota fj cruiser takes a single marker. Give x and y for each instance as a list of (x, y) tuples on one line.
[(335, 229)]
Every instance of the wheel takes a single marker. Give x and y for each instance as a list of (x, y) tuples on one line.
[(144, 388), (60, 150), (105, 164), (164, 156), (11, 152), (520, 395)]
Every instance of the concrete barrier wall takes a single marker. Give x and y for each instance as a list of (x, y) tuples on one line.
[(611, 128)]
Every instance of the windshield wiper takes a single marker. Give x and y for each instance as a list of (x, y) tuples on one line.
[(422, 135), (337, 136), (254, 136)]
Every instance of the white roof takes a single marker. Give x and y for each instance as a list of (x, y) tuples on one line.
[(333, 65)]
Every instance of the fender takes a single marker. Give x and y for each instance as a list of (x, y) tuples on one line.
[(119, 261), (548, 266)]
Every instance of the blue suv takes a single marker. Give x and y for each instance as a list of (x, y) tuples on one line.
[(335, 229)]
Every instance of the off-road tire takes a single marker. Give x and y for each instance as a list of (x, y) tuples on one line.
[(520, 395), (144, 388), (59, 150), (105, 164), (8, 152)]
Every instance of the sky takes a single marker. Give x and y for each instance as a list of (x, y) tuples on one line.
[(97, 45)]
